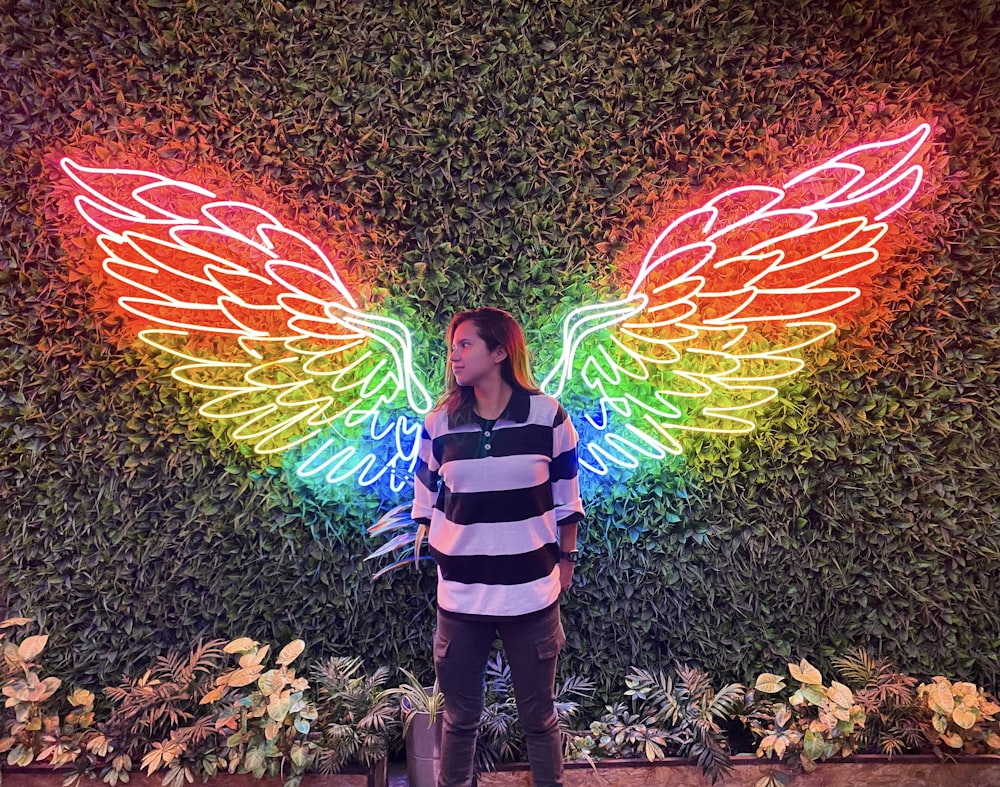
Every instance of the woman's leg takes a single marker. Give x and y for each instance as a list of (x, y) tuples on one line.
[(532, 644), (461, 649)]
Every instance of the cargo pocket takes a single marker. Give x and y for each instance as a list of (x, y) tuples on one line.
[(550, 647), (441, 646)]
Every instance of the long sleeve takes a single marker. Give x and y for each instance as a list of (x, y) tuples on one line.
[(425, 481), (565, 470)]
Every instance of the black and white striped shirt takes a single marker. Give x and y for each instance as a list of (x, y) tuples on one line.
[(494, 497)]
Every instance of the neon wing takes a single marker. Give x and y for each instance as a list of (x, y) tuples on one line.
[(257, 317), (724, 300)]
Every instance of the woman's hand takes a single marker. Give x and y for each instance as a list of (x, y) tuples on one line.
[(566, 574)]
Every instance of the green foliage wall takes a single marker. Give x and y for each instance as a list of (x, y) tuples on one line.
[(504, 154)]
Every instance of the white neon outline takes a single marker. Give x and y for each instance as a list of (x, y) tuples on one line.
[(655, 339), (652, 336), (290, 415)]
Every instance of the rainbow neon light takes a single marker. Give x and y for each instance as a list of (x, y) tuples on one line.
[(292, 357), (257, 315), (676, 355)]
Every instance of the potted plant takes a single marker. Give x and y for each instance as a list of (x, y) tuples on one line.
[(815, 723), (421, 709), (883, 715), (26, 693), (264, 712), (963, 717)]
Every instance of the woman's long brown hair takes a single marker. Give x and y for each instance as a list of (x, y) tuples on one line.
[(498, 329)]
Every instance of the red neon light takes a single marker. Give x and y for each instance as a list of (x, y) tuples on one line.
[(293, 353), (300, 359), (678, 355)]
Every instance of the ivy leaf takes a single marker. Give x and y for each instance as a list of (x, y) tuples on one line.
[(964, 717), (940, 698), (242, 677), (300, 756), (255, 762), (953, 739), (840, 695), (277, 709), (812, 694), (20, 756), (254, 659), (241, 645)]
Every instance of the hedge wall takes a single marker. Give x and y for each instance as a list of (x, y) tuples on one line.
[(490, 153)]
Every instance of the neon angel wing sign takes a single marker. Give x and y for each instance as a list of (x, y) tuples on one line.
[(257, 317)]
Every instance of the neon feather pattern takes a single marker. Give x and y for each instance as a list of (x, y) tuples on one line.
[(257, 316), (754, 265)]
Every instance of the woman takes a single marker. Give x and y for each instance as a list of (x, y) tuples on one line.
[(496, 484)]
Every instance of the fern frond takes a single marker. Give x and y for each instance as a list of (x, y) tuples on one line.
[(576, 686), (859, 667), (692, 682), (728, 702)]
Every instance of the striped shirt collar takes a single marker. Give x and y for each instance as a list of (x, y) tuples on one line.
[(517, 409)]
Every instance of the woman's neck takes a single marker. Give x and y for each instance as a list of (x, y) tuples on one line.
[(492, 399)]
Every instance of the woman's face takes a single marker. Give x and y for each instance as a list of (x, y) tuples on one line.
[(472, 362)]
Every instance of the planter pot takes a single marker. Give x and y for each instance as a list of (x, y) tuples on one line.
[(422, 740), (423, 750), (349, 777), (868, 770)]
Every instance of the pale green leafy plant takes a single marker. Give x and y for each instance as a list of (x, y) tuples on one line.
[(623, 733), (815, 723), (83, 748), (27, 693), (962, 716), (272, 719), (668, 717), (35, 734)]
